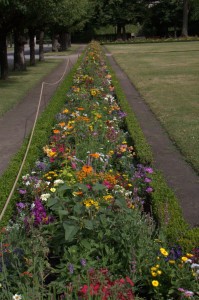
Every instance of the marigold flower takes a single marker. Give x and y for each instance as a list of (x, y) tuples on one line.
[(87, 169), (155, 283)]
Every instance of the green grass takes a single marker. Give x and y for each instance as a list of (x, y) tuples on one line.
[(19, 83), (167, 76)]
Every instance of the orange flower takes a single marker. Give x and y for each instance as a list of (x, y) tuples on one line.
[(80, 108), (56, 131), (95, 155), (62, 124), (87, 169)]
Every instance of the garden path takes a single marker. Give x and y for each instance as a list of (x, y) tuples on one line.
[(178, 173), (16, 124)]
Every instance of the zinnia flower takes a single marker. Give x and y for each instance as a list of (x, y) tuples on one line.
[(87, 169)]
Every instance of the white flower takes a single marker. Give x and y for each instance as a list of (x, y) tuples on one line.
[(25, 177), (27, 182), (58, 181), (16, 297), (32, 205), (195, 266), (44, 197)]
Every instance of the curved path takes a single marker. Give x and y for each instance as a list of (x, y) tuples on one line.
[(17, 123), (177, 172)]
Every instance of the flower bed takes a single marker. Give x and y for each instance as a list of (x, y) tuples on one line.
[(83, 228)]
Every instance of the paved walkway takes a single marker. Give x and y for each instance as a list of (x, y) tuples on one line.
[(177, 172), (17, 123)]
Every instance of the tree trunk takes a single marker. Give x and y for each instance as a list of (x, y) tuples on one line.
[(185, 18), (3, 56), (69, 39), (119, 32), (32, 46), (19, 57), (65, 41), (55, 43), (41, 45), (124, 33)]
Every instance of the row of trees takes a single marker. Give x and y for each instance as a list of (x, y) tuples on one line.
[(25, 18), (63, 17), (154, 16)]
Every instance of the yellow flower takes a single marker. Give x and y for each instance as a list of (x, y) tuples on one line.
[(155, 283), (189, 255), (164, 252), (65, 111), (172, 262), (154, 274), (153, 268), (53, 190), (159, 272), (184, 258)]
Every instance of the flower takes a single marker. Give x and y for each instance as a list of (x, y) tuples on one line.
[(44, 197), (184, 258), (87, 169), (155, 283), (164, 252), (16, 297)]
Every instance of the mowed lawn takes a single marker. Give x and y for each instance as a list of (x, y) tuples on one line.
[(167, 76), (18, 84)]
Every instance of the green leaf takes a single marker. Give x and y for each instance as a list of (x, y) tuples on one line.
[(64, 187), (82, 187), (51, 202), (62, 212), (70, 231), (98, 187), (88, 224), (86, 244), (77, 208)]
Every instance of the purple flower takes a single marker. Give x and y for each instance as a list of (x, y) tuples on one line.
[(147, 180), (83, 262), (149, 170), (22, 192), (188, 294), (122, 114), (20, 206), (70, 268), (149, 190)]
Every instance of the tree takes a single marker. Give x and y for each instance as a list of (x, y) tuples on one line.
[(119, 13), (185, 18), (69, 15)]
